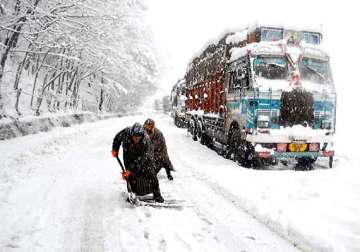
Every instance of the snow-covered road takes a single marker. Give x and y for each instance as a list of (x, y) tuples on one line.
[(60, 191)]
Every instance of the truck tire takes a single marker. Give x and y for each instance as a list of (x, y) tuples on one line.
[(200, 132), (193, 129), (203, 136), (240, 150)]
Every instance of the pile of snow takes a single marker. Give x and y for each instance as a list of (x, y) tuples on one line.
[(314, 51), (237, 37), (32, 125), (264, 47), (196, 112)]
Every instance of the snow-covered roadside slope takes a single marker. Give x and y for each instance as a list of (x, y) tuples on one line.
[(60, 191), (32, 124)]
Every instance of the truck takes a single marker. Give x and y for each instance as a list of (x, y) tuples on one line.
[(177, 101), (166, 104), (263, 94)]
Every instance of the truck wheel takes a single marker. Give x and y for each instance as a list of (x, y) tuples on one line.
[(176, 121), (193, 130), (200, 132), (258, 163), (240, 150)]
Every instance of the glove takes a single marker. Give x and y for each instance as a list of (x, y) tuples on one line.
[(114, 153), (170, 177), (126, 174)]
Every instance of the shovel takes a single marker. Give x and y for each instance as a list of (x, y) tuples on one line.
[(131, 195)]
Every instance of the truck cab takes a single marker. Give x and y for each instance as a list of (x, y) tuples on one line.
[(177, 100), (282, 99)]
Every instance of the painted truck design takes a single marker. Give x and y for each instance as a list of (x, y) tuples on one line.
[(263, 94)]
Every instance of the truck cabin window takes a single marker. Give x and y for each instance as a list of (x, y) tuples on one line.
[(239, 77), (311, 38), (275, 67), (315, 70)]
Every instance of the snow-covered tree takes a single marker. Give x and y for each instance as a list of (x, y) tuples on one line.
[(75, 51)]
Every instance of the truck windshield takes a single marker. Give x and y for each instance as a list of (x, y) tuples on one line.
[(315, 70), (273, 67)]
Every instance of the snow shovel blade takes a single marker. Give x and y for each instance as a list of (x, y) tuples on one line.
[(168, 203), (132, 198)]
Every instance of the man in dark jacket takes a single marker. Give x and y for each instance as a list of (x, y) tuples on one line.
[(160, 151), (138, 159)]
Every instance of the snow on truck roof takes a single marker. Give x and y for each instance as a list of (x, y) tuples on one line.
[(269, 48), (235, 35), (277, 48), (289, 25)]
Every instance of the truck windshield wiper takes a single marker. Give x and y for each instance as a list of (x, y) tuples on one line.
[(315, 71), (276, 65)]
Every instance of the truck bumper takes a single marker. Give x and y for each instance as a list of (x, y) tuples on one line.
[(266, 138), (290, 155), (325, 142)]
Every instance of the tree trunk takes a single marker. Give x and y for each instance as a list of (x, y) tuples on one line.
[(101, 99), (38, 68), (19, 72), (17, 101)]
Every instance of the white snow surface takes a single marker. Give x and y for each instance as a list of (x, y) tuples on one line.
[(279, 48), (61, 191), (265, 84), (237, 37)]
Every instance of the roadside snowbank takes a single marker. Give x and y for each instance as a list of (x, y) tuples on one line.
[(32, 125)]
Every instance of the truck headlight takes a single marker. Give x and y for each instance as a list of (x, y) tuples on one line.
[(314, 147), (297, 147), (281, 147)]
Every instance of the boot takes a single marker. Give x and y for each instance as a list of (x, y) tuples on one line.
[(158, 197)]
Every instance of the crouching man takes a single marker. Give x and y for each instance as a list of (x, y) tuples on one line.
[(138, 160)]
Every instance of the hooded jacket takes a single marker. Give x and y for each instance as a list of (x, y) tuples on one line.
[(138, 158)]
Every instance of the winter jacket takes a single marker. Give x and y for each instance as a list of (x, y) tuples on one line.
[(138, 158), (160, 151)]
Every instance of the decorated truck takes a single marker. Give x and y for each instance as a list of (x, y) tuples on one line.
[(177, 101), (263, 94)]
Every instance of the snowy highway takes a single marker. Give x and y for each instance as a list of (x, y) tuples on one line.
[(61, 191), (64, 193)]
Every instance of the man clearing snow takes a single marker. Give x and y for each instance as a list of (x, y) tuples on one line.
[(160, 151), (138, 158)]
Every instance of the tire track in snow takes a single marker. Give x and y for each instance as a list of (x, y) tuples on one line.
[(221, 212), (92, 238)]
